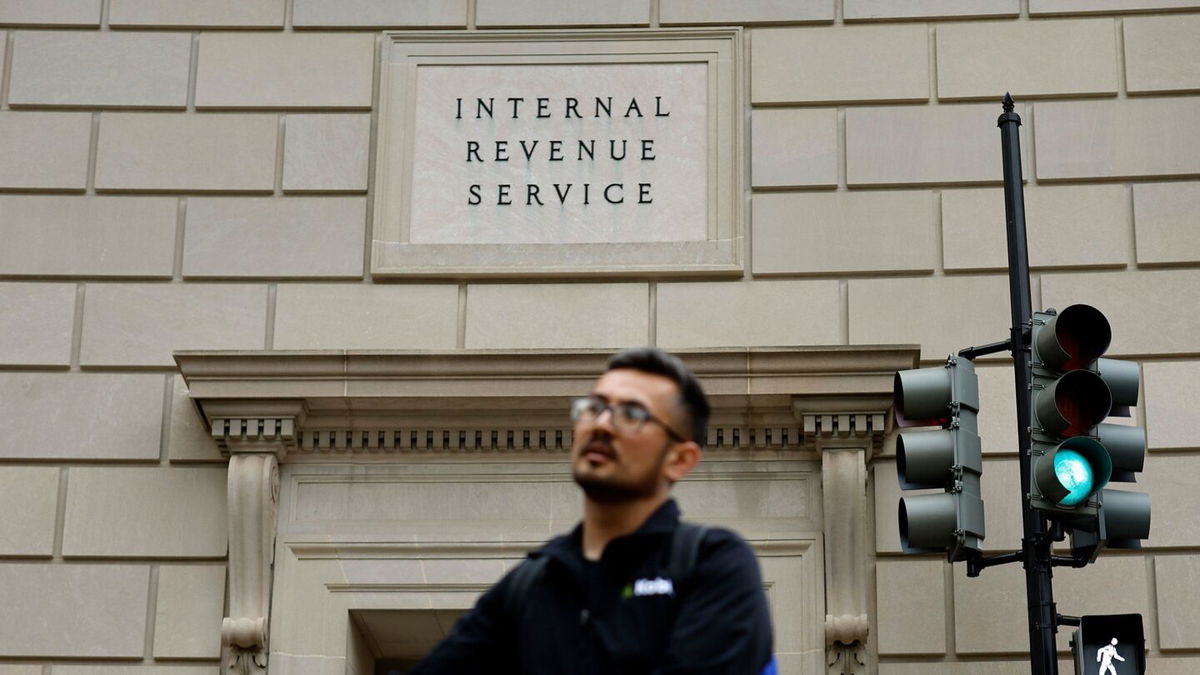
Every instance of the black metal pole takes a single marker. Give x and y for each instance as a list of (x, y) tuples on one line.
[(1035, 544)]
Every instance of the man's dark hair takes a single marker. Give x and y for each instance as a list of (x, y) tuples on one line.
[(692, 400)]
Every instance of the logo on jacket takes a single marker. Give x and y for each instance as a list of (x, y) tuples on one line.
[(655, 586)]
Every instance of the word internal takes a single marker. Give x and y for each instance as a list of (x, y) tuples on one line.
[(485, 108)]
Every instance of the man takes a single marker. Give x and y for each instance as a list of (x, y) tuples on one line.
[(613, 597)]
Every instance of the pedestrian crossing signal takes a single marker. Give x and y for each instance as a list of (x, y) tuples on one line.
[(1109, 644)]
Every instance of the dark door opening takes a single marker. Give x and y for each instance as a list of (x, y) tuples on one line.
[(392, 641)]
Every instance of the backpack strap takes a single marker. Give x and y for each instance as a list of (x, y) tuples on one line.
[(516, 601), (685, 549)]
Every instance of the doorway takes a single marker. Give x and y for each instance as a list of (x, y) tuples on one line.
[(394, 641)]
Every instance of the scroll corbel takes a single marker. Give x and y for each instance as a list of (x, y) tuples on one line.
[(845, 442), (255, 447)]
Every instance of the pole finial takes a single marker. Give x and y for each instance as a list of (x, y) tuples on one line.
[(1008, 102)]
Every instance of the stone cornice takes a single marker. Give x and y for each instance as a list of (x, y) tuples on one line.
[(526, 378), (330, 402)]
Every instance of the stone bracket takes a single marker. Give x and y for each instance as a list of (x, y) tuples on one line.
[(253, 494), (255, 437), (845, 441), (846, 659)]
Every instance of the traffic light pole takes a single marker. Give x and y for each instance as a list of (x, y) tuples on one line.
[(1036, 541)]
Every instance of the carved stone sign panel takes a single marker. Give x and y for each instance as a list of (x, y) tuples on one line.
[(578, 153), (584, 168)]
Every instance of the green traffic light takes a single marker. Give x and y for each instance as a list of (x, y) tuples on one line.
[(1070, 475), (1076, 475)]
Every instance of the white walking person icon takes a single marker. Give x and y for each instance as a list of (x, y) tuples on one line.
[(1105, 655)]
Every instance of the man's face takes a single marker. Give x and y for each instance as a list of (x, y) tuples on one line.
[(613, 465)]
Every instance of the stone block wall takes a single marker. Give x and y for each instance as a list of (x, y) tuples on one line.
[(180, 175)]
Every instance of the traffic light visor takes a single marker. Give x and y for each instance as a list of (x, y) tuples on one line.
[(1122, 380), (926, 397), (1074, 403), (1126, 447), (922, 397), (1126, 518), (927, 522), (1074, 338), (924, 458)]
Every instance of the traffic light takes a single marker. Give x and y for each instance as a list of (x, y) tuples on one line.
[(1074, 454), (948, 458), (1123, 518), (1109, 643)]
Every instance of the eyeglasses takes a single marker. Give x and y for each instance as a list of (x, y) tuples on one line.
[(627, 417)]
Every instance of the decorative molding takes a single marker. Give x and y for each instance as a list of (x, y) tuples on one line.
[(521, 439), (846, 659), (345, 401), (845, 441), (408, 588), (844, 491), (255, 426), (830, 428), (412, 63), (235, 432), (471, 550), (340, 382), (343, 550), (253, 493)]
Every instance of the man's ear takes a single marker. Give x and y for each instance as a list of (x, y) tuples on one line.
[(681, 460)]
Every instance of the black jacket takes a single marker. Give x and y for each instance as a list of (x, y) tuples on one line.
[(597, 619)]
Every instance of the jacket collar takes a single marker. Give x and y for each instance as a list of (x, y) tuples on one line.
[(569, 547), (664, 520)]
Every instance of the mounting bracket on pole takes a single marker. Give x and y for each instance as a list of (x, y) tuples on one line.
[(977, 565), (970, 353)]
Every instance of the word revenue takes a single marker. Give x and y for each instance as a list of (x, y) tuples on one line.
[(554, 151), (560, 193), (543, 107)]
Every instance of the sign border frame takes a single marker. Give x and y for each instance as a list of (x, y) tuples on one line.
[(721, 254)]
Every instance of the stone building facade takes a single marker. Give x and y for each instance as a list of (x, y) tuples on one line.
[(247, 413)]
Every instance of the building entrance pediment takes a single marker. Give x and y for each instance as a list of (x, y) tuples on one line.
[(353, 450)]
